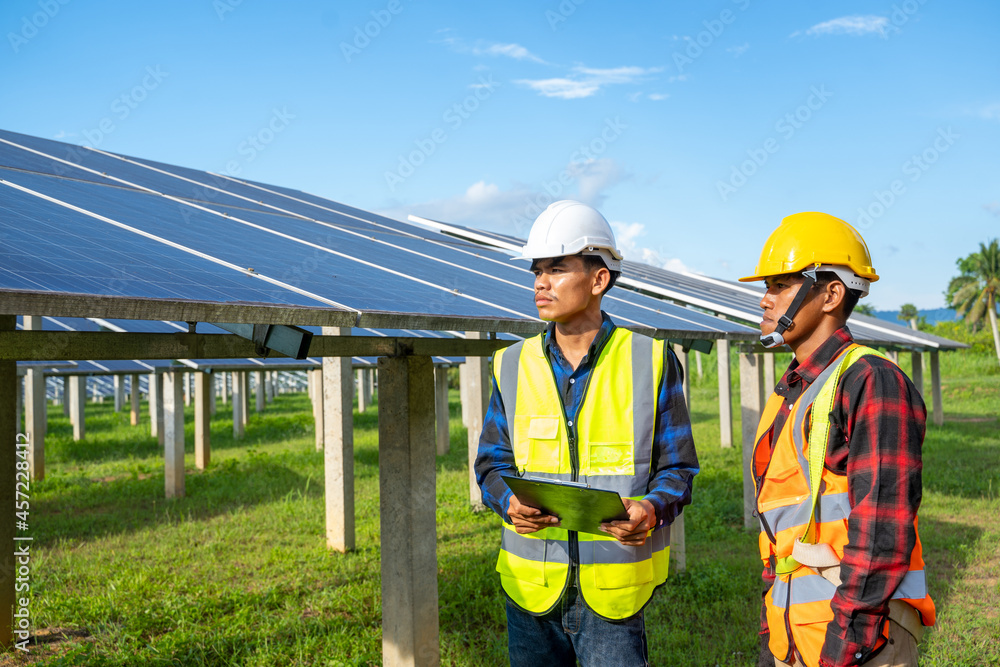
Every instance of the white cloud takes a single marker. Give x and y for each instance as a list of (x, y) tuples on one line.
[(586, 81), (63, 134), (515, 51), (849, 25), (628, 235), (658, 96), (593, 177), (739, 50), (567, 89), (990, 111), (512, 211)]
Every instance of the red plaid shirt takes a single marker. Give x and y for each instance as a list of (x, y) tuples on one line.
[(876, 434)]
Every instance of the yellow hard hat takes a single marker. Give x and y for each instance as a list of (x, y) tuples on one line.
[(806, 240)]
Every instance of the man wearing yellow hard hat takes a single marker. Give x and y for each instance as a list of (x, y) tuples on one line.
[(836, 465)]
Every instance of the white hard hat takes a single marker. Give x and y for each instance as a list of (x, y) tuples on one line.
[(569, 227)]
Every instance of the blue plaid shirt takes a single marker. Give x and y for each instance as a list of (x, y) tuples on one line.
[(674, 462)]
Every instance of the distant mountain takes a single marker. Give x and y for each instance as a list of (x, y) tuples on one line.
[(933, 316)]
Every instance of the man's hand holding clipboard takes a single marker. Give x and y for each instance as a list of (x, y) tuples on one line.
[(528, 515)]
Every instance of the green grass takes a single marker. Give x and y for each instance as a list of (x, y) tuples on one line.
[(236, 572)]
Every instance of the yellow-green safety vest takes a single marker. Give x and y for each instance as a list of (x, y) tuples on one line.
[(613, 442)]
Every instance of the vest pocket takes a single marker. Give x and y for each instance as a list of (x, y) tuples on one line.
[(522, 557), (611, 458), (545, 445), (609, 576)]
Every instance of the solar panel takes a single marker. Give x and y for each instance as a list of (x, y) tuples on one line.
[(318, 250)]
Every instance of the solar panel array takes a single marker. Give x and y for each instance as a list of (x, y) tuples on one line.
[(731, 299), (83, 221)]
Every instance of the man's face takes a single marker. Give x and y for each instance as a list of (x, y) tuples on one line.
[(781, 291), (564, 287)]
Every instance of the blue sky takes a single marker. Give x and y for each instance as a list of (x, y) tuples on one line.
[(694, 127)]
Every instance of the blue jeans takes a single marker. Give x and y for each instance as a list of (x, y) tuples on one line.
[(572, 632)]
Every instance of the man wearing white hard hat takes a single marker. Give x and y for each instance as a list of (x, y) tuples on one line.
[(590, 403)]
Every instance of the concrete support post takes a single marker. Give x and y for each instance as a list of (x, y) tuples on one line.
[(407, 498), (211, 393), (316, 385), (224, 387), (94, 387), (697, 363), (338, 448), (156, 407), (363, 398), (135, 396), (918, 372), (269, 386), (769, 379), (65, 396), (173, 427), (185, 380), (202, 419), (751, 404), (476, 386), (682, 356), (238, 429), (678, 548), (245, 395), (441, 411), (261, 390), (9, 456), (119, 381), (77, 405), (938, 409), (725, 395), (35, 406)]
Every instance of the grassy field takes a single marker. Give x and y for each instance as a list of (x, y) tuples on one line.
[(236, 572)]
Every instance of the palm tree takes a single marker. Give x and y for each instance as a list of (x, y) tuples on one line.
[(974, 293), (909, 313)]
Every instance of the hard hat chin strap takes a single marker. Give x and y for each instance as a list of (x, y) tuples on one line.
[(785, 321)]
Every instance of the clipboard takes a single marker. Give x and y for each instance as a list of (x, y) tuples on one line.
[(578, 506)]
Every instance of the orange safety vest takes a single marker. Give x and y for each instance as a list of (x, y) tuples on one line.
[(792, 506)]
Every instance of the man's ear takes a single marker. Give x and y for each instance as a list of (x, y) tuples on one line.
[(601, 279), (834, 293)]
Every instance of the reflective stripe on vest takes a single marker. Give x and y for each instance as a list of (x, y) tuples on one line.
[(814, 588), (614, 441), (800, 597)]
